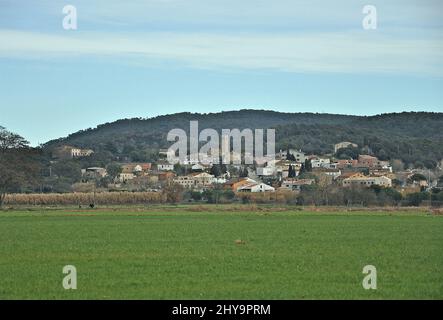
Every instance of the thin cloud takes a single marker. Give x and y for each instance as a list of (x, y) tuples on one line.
[(333, 52)]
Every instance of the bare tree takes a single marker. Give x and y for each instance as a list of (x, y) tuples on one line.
[(173, 192)]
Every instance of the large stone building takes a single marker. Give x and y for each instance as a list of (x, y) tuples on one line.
[(69, 152), (367, 181), (343, 145)]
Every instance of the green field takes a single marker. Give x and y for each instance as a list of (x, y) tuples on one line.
[(180, 254)]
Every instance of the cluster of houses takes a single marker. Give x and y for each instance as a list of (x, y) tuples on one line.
[(290, 170), (365, 171)]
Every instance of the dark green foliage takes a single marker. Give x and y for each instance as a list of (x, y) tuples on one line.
[(291, 172), (415, 199), (418, 177), (348, 153), (195, 195), (229, 194), (243, 172), (218, 195), (438, 197), (358, 196), (216, 170), (181, 170), (290, 156), (113, 169), (20, 165), (305, 168), (396, 183), (413, 137), (69, 169)]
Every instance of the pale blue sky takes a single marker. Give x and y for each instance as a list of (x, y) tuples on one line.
[(146, 58)]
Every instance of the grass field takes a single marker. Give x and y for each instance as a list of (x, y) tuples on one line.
[(180, 254)]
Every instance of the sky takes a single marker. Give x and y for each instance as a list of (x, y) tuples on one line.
[(147, 58)]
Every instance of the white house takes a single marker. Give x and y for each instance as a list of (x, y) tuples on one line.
[(165, 166), (320, 162), (266, 171), (219, 180), (297, 154), (256, 187), (126, 176), (198, 167)]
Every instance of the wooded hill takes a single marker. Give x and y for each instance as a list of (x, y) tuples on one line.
[(414, 137)]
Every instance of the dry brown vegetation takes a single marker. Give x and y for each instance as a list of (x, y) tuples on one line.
[(105, 198), (126, 198)]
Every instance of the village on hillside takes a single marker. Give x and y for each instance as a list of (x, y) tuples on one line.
[(291, 172)]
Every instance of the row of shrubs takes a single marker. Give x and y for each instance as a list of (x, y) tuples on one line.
[(228, 196), (373, 196)]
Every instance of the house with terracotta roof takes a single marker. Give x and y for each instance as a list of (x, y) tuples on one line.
[(236, 184), (345, 175)]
